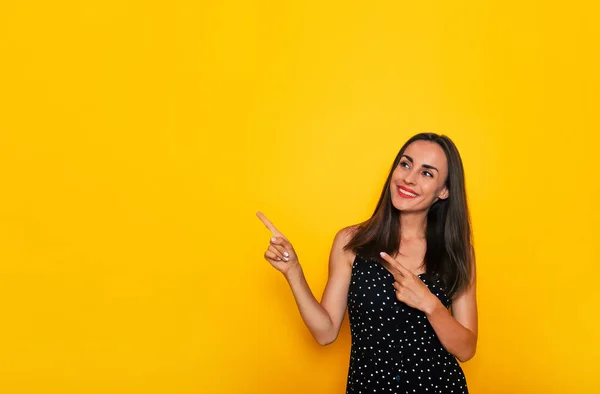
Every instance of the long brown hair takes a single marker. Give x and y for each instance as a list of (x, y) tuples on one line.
[(449, 256)]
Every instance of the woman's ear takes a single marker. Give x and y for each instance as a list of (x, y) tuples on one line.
[(445, 193)]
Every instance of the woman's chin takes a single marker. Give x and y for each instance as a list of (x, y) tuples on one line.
[(407, 206)]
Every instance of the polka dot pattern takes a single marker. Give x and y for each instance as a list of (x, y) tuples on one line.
[(394, 348)]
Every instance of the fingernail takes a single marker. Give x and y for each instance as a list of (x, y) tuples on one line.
[(382, 254), (273, 239), (278, 259), (285, 259), (286, 254)]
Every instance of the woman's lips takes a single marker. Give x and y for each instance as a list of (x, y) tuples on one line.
[(405, 192)]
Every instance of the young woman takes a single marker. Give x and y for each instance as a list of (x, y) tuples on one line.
[(406, 275)]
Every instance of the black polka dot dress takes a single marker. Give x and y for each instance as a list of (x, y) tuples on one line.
[(394, 348)]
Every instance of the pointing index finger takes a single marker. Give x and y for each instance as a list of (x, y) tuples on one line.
[(395, 263), (269, 225)]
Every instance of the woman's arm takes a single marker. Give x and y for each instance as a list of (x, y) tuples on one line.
[(324, 319), (457, 331)]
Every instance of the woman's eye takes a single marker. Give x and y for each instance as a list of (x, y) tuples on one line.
[(404, 164), (427, 173)]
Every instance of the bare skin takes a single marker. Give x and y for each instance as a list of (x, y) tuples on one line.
[(423, 172)]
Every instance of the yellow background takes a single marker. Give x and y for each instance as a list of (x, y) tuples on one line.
[(139, 138)]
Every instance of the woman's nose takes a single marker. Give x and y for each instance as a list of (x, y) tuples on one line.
[(410, 177)]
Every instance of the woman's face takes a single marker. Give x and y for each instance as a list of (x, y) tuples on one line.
[(419, 179)]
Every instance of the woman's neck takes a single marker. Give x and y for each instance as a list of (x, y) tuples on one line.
[(413, 226)]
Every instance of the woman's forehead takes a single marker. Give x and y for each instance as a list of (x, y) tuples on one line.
[(426, 152)]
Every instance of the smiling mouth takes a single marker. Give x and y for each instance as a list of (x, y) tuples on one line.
[(405, 193)]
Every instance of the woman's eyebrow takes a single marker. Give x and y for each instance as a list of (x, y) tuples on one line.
[(428, 166)]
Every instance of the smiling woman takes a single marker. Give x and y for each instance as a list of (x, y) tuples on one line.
[(406, 277)]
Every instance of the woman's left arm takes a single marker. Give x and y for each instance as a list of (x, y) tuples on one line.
[(457, 331)]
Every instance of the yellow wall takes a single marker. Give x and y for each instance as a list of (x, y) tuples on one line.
[(137, 140)]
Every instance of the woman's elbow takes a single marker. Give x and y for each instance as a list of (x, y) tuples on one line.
[(465, 358), (467, 355), (325, 341)]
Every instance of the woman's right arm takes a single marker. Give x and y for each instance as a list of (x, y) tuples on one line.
[(324, 319)]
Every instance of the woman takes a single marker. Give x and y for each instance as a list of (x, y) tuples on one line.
[(406, 275)]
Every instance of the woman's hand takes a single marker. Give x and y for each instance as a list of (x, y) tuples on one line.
[(280, 253), (410, 289)]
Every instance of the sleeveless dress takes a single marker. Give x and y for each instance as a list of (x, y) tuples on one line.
[(394, 348)]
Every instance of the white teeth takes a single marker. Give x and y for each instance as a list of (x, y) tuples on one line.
[(407, 193)]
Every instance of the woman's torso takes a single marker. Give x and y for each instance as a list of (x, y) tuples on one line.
[(394, 348)]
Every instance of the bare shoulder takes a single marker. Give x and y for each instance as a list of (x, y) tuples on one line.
[(342, 237)]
